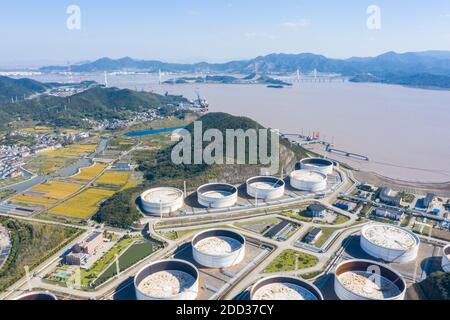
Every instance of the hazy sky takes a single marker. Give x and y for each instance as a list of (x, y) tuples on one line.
[(216, 30)]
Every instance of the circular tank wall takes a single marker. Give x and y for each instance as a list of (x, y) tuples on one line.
[(36, 296), (217, 195), (284, 288), (368, 280), (167, 280), (308, 180), (317, 164), (389, 243), (446, 259), (218, 248), (266, 188), (159, 201)]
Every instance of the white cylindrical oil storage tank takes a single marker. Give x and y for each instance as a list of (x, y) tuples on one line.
[(218, 248), (217, 195), (38, 296), (389, 243), (284, 288), (368, 280), (265, 187), (159, 201), (322, 165), (446, 259), (308, 180), (167, 280)]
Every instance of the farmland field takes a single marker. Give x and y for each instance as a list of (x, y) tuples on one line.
[(73, 150), (83, 205), (87, 174), (47, 193), (114, 178), (42, 164)]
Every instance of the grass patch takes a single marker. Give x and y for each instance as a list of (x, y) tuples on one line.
[(286, 261), (129, 258)]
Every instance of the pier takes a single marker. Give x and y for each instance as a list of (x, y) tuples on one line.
[(346, 154)]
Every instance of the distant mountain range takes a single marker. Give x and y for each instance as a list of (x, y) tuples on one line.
[(428, 68), (250, 79)]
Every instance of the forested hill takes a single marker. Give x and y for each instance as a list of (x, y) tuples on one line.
[(12, 89), (159, 170), (95, 104)]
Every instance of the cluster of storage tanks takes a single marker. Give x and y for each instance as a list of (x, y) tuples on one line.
[(179, 279), (312, 178), (353, 279), (214, 249)]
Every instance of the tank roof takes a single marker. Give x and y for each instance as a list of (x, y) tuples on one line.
[(389, 236)]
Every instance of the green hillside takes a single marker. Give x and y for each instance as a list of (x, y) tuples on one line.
[(95, 104)]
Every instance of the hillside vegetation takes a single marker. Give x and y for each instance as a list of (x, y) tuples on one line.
[(95, 104), (17, 89), (32, 244), (158, 170)]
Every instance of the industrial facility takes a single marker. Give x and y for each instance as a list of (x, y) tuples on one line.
[(317, 164), (218, 248), (217, 195), (446, 259), (284, 288), (161, 201), (265, 187), (308, 180), (37, 296), (389, 243), (368, 280), (167, 280)]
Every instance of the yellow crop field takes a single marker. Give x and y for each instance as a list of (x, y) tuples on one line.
[(76, 150), (34, 200), (130, 184), (47, 194), (114, 178), (37, 130), (87, 174), (57, 190), (83, 205)]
